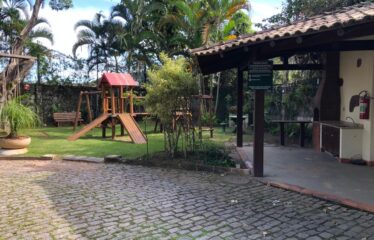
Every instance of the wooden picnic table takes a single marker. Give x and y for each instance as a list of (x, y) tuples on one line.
[(302, 129)]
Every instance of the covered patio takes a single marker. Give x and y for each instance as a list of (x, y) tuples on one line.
[(345, 40), (334, 35), (318, 174)]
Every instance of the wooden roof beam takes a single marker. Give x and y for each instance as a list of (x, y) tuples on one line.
[(342, 46), (301, 67)]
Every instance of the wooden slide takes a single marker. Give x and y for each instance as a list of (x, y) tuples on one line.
[(133, 129), (88, 127)]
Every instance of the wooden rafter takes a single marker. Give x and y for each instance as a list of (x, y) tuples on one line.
[(289, 67)]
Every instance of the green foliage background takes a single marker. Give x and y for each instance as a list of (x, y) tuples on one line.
[(170, 88)]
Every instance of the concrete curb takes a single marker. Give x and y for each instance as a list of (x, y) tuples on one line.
[(215, 169), (184, 165), (192, 167), (27, 158), (73, 158), (325, 196)]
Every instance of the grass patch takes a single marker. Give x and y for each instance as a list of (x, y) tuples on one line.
[(53, 140)]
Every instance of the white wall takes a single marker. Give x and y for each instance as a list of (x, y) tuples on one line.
[(356, 79), (351, 140)]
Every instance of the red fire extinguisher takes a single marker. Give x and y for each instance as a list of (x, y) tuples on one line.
[(364, 105)]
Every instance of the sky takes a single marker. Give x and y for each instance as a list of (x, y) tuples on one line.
[(62, 22)]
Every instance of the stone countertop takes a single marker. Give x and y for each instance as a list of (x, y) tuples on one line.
[(342, 124)]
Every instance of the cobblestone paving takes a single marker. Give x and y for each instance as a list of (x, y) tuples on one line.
[(68, 200)]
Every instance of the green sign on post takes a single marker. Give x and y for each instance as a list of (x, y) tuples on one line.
[(261, 75)]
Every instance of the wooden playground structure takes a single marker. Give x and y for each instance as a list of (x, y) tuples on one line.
[(203, 104), (207, 102), (116, 90)]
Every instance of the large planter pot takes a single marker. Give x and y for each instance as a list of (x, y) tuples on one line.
[(15, 143)]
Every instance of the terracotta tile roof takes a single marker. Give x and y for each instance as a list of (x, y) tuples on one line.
[(118, 79), (348, 16)]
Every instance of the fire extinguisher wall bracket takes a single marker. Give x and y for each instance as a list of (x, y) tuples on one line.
[(364, 105)]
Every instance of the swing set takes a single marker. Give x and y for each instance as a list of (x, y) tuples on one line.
[(116, 90)]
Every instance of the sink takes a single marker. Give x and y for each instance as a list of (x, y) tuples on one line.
[(342, 124)]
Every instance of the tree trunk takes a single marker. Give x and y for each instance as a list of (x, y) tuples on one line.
[(14, 73), (97, 69), (116, 60), (17, 69), (39, 80)]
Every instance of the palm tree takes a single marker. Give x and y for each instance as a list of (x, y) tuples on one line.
[(182, 25), (95, 36), (191, 24), (239, 24), (15, 16), (20, 6), (12, 14), (137, 37), (218, 13)]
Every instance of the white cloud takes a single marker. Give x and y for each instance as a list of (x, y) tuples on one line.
[(262, 10), (62, 25)]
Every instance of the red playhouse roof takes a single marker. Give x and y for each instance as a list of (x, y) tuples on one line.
[(118, 79)]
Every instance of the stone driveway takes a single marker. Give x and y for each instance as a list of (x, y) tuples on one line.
[(69, 200)]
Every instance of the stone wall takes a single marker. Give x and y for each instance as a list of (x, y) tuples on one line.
[(48, 99)]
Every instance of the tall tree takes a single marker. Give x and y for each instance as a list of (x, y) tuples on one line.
[(239, 24), (294, 10), (182, 25), (218, 13), (196, 23), (17, 69), (94, 35), (137, 38)]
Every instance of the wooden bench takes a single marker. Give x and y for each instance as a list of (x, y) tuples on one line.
[(66, 117), (206, 129)]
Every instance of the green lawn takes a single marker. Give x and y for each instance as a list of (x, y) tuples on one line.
[(52, 140)]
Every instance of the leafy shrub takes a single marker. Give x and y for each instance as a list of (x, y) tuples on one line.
[(170, 90), (214, 155), (207, 119), (18, 116)]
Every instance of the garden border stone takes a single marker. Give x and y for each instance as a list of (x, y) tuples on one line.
[(320, 195), (74, 158), (191, 167), (44, 158)]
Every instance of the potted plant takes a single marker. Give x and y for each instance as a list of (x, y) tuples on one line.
[(19, 117)]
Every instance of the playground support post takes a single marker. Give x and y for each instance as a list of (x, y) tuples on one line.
[(89, 108), (78, 110)]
